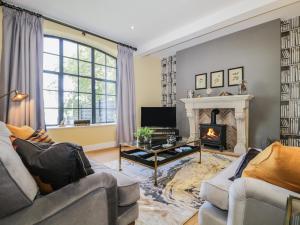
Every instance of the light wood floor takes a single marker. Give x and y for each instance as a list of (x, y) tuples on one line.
[(107, 155)]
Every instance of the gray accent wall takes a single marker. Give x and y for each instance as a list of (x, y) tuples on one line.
[(258, 50)]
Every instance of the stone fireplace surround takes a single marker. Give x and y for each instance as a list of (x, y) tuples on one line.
[(240, 104)]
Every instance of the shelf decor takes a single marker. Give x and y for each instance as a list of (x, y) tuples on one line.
[(290, 82), (235, 76), (201, 81), (168, 81), (217, 79)]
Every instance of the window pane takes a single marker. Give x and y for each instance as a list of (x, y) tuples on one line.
[(85, 100), (111, 115), (71, 66), (100, 101), (51, 62), (70, 100), (84, 53), (70, 83), (51, 45), (100, 116), (111, 102), (85, 85), (85, 114), (100, 87), (111, 74), (85, 69), (110, 61), (70, 49), (99, 57), (100, 71), (51, 116), (50, 81), (111, 88), (51, 99), (70, 115)]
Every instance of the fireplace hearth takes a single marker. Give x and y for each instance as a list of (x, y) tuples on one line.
[(213, 134)]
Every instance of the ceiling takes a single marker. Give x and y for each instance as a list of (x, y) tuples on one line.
[(160, 26)]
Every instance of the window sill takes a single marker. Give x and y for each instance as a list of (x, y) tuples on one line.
[(78, 127)]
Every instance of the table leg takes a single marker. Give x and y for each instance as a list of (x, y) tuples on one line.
[(120, 165), (199, 151), (155, 169)]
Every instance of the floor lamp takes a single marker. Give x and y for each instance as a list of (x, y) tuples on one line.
[(16, 96)]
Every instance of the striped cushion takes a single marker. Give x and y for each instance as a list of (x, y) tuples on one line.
[(40, 136)]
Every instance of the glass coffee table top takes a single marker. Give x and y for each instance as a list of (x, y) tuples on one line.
[(158, 153)]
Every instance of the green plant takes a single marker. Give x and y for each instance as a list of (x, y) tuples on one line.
[(143, 133)]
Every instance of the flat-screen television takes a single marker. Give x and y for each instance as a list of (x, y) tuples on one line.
[(158, 117)]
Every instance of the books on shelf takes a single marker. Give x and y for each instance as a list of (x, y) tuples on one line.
[(285, 42), (290, 82), (295, 55), (284, 111), (285, 25), (291, 141), (294, 22), (295, 37)]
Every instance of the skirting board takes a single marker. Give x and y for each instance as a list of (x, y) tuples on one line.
[(99, 146)]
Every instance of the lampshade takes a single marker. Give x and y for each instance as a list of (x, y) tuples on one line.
[(18, 96)]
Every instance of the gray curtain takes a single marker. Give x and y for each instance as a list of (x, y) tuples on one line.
[(22, 68), (125, 96)]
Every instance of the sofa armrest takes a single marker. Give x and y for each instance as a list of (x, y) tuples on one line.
[(92, 200), (248, 195)]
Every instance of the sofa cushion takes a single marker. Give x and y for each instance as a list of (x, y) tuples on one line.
[(277, 165), (17, 187), (54, 166), (250, 155), (216, 190), (128, 188)]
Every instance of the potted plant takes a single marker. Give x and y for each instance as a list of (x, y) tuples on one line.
[(143, 135)]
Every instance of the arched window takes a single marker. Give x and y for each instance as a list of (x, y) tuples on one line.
[(79, 82)]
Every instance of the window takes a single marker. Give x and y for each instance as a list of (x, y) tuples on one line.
[(79, 82)]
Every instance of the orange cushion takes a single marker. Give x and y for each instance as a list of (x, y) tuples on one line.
[(277, 165), (23, 132)]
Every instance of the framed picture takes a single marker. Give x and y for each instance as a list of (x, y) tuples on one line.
[(217, 79), (235, 76), (201, 81)]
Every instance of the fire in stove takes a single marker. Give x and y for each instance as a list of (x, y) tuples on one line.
[(211, 135)]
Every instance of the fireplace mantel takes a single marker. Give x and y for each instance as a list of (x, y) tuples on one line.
[(240, 104)]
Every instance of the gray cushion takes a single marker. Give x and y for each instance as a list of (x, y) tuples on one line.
[(216, 190), (17, 187), (127, 214), (210, 215), (128, 188)]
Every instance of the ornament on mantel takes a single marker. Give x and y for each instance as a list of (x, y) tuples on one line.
[(208, 91)]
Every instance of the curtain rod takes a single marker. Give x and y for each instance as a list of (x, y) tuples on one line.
[(2, 3)]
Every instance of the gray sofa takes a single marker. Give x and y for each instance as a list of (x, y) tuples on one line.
[(104, 198), (245, 201)]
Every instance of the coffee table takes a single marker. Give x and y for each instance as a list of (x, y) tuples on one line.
[(158, 154)]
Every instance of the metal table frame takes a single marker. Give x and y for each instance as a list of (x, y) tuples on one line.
[(156, 153)]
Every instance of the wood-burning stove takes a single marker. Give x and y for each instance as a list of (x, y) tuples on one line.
[(213, 134)]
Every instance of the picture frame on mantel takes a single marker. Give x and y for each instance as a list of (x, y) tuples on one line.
[(235, 76), (217, 79), (200, 81)]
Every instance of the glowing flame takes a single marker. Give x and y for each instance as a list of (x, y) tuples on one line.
[(211, 133)]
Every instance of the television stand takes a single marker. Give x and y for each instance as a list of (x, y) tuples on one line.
[(162, 133)]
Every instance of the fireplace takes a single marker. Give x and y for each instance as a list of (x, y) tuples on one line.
[(213, 134)]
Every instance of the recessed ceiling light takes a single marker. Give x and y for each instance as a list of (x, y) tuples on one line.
[(132, 27)]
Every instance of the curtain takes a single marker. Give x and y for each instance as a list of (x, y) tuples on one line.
[(22, 68), (125, 96)]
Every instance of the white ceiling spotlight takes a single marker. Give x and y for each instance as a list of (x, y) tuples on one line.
[(132, 27)]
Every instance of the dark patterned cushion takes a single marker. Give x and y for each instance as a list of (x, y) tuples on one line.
[(247, 158)]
